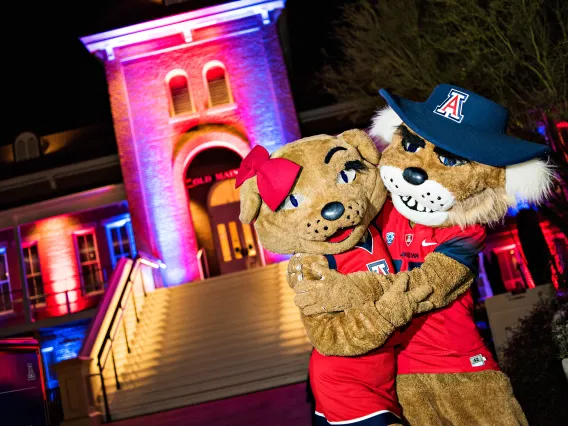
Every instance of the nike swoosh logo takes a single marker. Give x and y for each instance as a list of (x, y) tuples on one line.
[(424, 243)]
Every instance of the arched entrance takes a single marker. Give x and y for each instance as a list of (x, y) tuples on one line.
[(230, 246)]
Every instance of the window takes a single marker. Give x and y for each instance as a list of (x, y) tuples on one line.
[(89, 264), (26, 146), (225, 249), (120, 240), (249, 240), (180, 94), (5, 291), (217, 84), (514, 272), (33, 275)]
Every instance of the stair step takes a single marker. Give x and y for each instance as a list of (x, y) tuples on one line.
[(208, 340)]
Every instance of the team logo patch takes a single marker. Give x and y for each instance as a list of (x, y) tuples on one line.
[(390, 238), (408, 239), (477, 360), (452, 107), (379, 267), (31, 373)]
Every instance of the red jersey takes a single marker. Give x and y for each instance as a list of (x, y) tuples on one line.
[(371, 254), (348, 389), (445, 340)]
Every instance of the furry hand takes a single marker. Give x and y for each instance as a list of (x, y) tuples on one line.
[(297, 273), (334, 292), (398, 305)]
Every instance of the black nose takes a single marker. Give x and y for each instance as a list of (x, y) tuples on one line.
[(332, 211), (414, 175)]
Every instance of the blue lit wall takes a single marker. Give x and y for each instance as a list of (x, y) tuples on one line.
[(59, 344)]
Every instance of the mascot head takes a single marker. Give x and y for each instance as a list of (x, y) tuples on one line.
[(316, 195), (450, 162)]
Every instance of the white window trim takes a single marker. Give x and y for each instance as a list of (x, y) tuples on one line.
[(117, 222), (76, 235), (27, 144), (7, 281), (26, 246), (207, 67), (169, 76)]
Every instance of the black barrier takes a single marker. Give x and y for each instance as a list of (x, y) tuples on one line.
[(22, 392)]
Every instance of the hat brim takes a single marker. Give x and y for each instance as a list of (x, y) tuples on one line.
[(493, 149)]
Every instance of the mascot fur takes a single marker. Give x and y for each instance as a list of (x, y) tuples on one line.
[(450, 169), (319, 195), (294, 215)]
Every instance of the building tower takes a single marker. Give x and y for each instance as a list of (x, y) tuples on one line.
[(191, 94)]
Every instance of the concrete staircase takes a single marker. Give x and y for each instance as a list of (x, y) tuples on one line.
[(204, 341)]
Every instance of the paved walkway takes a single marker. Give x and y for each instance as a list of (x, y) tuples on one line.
[(285, 406)]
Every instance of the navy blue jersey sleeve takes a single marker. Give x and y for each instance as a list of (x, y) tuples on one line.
[(332, 264), (464, 248)]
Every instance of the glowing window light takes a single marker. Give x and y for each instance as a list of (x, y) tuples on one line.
[(120, 238)]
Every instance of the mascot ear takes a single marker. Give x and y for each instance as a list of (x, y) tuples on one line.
[(530, 181), (363, 143), (250, 201), (385, 124)]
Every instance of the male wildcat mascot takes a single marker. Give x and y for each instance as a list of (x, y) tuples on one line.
[(450, 168)]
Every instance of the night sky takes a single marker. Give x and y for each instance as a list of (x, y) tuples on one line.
[(54, 84)]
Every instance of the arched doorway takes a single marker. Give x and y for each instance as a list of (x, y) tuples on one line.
[(230, 246)]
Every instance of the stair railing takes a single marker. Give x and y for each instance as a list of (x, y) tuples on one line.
[(203, 264), (128, 287)]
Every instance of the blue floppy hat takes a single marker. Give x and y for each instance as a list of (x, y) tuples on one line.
[(465, 124)]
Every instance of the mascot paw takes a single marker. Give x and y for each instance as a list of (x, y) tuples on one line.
[(299, 268), (331, 292), (398, 305)]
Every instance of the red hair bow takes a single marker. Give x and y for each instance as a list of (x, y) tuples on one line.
[(275, 176)]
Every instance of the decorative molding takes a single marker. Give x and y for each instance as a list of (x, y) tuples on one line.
[(183, 23), (81, 201), (51, 175)]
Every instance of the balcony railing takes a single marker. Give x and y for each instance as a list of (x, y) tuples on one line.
[(78, 292)]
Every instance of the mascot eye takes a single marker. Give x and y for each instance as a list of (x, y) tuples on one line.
[(410, 147), (346, 176), (451, 161), (292, 201)]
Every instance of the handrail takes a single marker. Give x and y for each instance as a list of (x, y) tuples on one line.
[(100, 339), (41, 301), (202, 263)]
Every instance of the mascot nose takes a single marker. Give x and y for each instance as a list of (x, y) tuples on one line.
[(414, 175), (332, 211)]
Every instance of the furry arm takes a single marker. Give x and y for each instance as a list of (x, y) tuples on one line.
[(320, 289), (365, 327), (361, 326)]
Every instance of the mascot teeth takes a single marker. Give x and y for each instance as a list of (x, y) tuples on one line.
[(412, 204)]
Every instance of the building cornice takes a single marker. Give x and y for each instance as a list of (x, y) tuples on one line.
[(183, 23), (51, 175), (80, 201)]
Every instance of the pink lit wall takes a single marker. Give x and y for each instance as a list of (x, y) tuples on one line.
[(55, 239), (154, 147)]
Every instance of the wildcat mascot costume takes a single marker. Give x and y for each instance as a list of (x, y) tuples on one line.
[(450, 169)]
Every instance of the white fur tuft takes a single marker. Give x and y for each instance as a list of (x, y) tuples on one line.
[(530, 181), (385, 123)]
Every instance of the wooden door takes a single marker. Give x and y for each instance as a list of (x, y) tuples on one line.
[(235, 242)]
